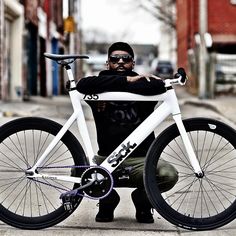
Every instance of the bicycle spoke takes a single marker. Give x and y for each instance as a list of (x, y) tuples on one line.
[(209, 150), (11, 184), (18, 194), (19, 150), (210, 200), (213, 187), (178, 157), (203, 145), (46, 199), (217, 151), (23, 199), (10, 160), (177, 164)]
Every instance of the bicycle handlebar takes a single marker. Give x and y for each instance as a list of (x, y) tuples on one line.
[(179, 78)]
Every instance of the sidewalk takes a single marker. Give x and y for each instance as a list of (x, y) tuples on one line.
[(37, 106), (223, 105), (60, 106)]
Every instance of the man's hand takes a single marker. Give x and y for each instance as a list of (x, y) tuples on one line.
[(132, 79)]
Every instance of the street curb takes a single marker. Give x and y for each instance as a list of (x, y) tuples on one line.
[(205, 104), (210, 107)]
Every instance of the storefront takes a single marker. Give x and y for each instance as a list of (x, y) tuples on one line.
[(11, 32)]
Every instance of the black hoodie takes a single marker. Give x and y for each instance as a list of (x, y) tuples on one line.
[(116, 120)]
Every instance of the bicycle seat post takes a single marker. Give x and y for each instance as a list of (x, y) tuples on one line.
[(72, 85), (65, 61)]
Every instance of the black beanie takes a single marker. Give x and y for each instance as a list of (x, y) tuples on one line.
[(121, 46)]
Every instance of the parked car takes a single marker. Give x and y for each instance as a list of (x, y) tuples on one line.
[(141, 66), (95, 64), (225, 73), (164, 69)]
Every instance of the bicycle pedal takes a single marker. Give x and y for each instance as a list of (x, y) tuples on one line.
[(68, 201), (68, 206)]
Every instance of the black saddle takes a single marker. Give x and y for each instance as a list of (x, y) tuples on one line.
[(64, 59)]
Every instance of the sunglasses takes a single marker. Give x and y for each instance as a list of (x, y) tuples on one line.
[(116, 58)]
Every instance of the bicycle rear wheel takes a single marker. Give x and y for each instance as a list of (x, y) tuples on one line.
[(196, 203), (26, 203)]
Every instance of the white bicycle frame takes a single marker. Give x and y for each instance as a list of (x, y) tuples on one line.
[(168, 107)]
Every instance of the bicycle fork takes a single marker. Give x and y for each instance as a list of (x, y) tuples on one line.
[(188, 146), (172, 102)]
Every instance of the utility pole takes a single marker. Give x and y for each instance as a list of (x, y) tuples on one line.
[(1, 44), (203, 22)]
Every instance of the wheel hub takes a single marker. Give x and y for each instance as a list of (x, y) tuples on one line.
[(200, 175)]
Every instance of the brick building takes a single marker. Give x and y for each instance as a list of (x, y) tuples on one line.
[(220, 27)]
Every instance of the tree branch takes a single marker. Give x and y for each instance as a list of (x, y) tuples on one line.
[(160, 10)]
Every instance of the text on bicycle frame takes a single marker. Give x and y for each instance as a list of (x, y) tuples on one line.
[(124, 151), (91, 97)]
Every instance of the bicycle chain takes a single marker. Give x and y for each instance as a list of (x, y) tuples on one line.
[(63, 189)]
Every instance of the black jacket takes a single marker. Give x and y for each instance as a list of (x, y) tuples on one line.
[(113, 81), (116, 120)]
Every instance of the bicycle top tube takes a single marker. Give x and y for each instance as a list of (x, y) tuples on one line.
[(127, 96), (122, 96)]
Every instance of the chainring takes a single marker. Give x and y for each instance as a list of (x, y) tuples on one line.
[(102, 182)]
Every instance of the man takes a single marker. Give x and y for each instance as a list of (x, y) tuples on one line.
[(116, 120)]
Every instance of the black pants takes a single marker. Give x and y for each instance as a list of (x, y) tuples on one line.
[(130, 173)]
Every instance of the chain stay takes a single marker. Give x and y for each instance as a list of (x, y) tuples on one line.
[(74, 192)]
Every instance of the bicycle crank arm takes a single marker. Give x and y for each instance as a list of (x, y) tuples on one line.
[(69, 198), (73, 192)]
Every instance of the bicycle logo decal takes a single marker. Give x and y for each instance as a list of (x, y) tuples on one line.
[(91, 97), (124, 151)]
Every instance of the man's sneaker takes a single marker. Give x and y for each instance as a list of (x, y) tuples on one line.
[(107, 206), (144, 216), (143, 206)]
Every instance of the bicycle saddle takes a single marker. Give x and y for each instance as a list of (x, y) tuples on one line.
[(64, 59)]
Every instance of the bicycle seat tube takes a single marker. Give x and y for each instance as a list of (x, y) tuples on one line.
[(78, 110)]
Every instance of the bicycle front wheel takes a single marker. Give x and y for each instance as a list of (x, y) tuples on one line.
[(34, 203), (195, 203)]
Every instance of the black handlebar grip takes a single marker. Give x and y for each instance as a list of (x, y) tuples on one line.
[(182, 72)]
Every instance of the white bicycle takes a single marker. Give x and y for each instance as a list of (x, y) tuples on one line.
[(45, 173)]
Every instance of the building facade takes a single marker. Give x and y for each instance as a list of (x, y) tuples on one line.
[(11, 45), (204, 27), (28, 29), (43, 33)]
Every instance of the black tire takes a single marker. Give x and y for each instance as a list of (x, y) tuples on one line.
[(26, 203), (196, 203)]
